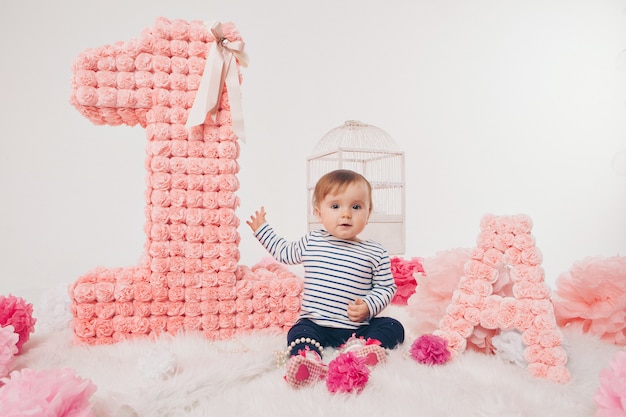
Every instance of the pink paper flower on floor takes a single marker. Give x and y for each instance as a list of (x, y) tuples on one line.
[(610, 397), (16, 312), (8, 348), (591, 296), (404, 276), (51, 393), (429, 349), (347, 373)]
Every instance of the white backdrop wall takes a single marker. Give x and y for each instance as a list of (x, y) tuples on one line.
[(501, 107)]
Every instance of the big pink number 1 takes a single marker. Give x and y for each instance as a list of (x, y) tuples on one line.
[(189, 278)]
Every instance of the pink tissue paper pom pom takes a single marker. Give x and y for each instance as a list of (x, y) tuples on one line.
[(347, 373), (610, 397), (49, 392), (434, 290), (429, 349), (8, 348), (591, 296), (16, 312)]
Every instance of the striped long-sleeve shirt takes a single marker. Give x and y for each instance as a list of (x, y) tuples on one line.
[(336, 272)]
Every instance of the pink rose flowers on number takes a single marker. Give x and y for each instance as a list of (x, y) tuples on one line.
[(485, 302)]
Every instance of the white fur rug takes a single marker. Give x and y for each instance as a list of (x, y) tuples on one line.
[(191, 376)]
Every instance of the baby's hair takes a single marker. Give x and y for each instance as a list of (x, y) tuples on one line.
[(336, 181)]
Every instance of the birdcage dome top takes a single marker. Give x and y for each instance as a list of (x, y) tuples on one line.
[(355, 135)]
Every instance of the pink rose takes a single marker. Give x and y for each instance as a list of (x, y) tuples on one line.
[(227, 321), (159, 308), (292, 303), (532, 256), (208, 279), (193, 246), (85, 327), (523, 224), (513, 256), (260, 305), (290, 317), (492, 257), (208, 307), (243, 321), (456, 343), (226, 278), (488, 223), (507, 313), (227, 199), (260, 320), (104, 291), (158, 324), (244, 305), (211, 184), (175, 308), (489, 318), (193, 294), (527, 273), (503, 241), (478, 270), (559, 374), (227, 166), (227, 307), (176, 293), (228, 234), (210, 293), (84, 293), (229, 250), (124, 292), (504, 224), (175, 324), (177, 264), (85, 310), (192, 323), (104, 328), (210, 322), (193, 309), (523, 241), (227, 292), (125, 309), (486, 239), (104, 310), (524, 318), (179, 48), (228, 265)]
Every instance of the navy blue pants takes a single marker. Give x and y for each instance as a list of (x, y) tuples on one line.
[(388, 331)]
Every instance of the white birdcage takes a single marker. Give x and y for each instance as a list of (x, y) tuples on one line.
[(371, 152)]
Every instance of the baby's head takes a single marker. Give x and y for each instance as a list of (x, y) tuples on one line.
[(335, 182)]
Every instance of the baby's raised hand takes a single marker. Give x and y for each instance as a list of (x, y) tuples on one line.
[(257, 219)]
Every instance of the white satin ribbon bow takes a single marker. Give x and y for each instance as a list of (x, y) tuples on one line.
[(220, 67)]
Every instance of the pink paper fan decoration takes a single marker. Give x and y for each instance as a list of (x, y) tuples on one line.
[(429, 349), (8, 348), (56, 392), (591, 296), (16, 312), (347, 373), (404, 276), (610, 397)]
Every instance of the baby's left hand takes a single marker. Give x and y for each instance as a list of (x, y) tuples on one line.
[(358, 311)]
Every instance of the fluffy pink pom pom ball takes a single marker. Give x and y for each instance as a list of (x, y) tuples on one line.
[(16, 312), (429, 349), (48, 392), (347, 373), (610, 397)]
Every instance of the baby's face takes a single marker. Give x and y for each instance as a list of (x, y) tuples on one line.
[(345, 214)]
